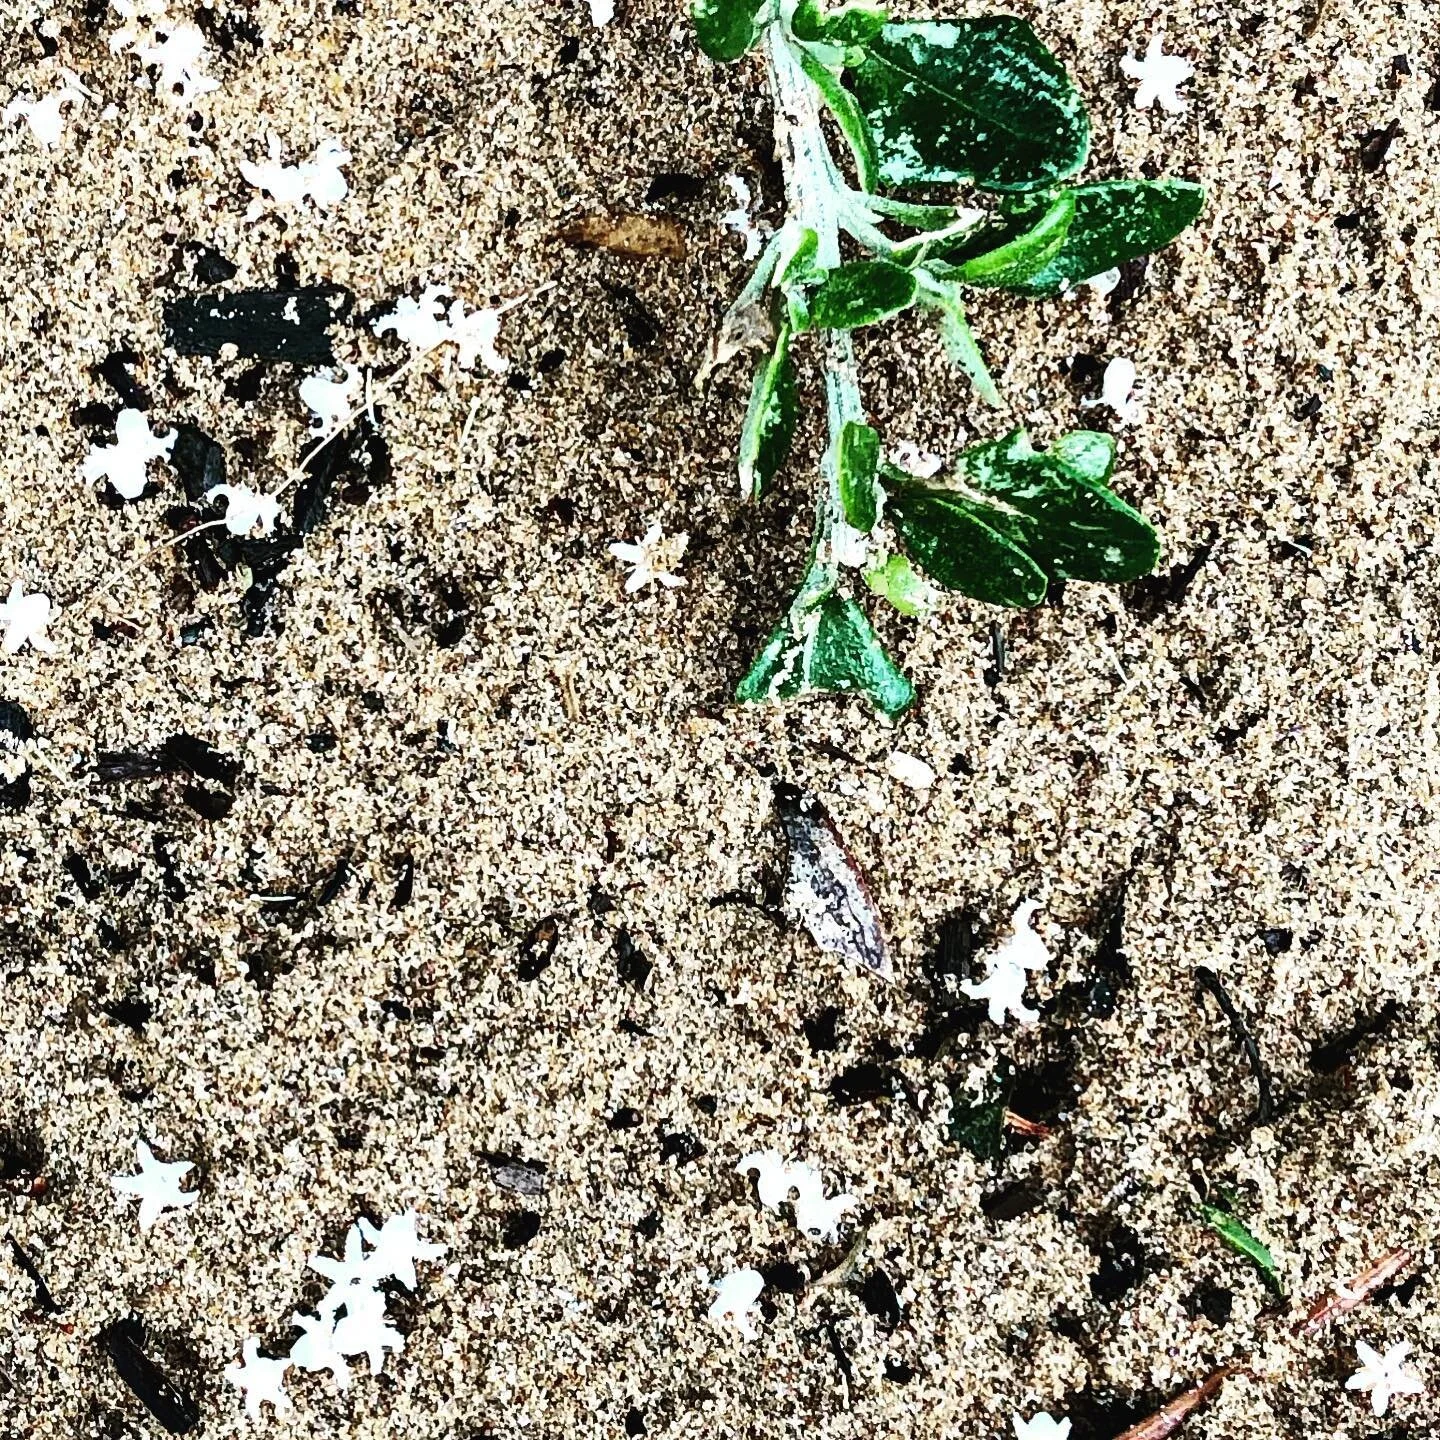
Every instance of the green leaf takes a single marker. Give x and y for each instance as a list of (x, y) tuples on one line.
[(1057, 508), (979, 1125), (1116, 221), (898, 583), (971, 100), (846, 25), (861, 293), (856, 460), (944, 296), (852, 123), (769, 420), (727, 29), (828, 648), (949, 536), (797, 254), (1239, 1239), (1014, 262)]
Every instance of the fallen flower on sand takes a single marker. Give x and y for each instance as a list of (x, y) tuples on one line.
[(1041, 1427), (157, 1184), (648, 558), (777, 1178), (319, 179), (1116, 391), (1004, 984), (246, 508), (1160, 76), (23, 619), (124, 463), (1384, 1376), (735, 1297), (262, 1380)]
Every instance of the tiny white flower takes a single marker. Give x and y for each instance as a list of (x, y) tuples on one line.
[(329, 401), (362, 1329), (739, 219), (734, 1303), (246, 508), (180, 58), (396, 1246), (1103, 283), (1004, 984), (602, 12), (911, 458), (1116, 389), (44, 117), (910, 770), (23, 618), (777, 1179), (315, 1349), (261, 1380), (1040, 1427), (648, 556), (1160, 76), (475, 335), (124, 463), (319, 179), (1384, 1376), (420, 324), (157, 1184)]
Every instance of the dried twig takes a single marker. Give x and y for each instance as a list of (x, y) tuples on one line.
[(1168, 1420), (1021, 1126), (1360, 1289), (1207, 979)]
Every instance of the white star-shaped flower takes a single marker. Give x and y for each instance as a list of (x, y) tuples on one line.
[(777, 1178), (123, 463), (396, 1247), (648, 556), (342, 1274), (1384, 1376), (1040, 1427), (319, 179), (739, 219), (246, 508), (44, 117), (329, 401), (1116, 392), (475, 335), (23, 619), (180, 58), (735, 1297), (602, 12), (315, 1349), (260, 1379), (157, 1185), (362, 1329), (1004, 984), (1160, 75), (420, 324)]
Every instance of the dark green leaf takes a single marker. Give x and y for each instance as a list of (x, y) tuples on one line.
[(852, 123), (977, 99), (769, 420), (860, 294), (846, 25), (726, 29), (1116, 221), (1057, 508), (828, 648), (1239, 1239), (979, 1125), (950, 537), (1018, 259), (856, 460)]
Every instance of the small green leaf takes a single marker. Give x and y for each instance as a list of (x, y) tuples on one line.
[(796, 260), (918, 217), (1239, 1239), (944, 296), (852, 123), (769, 420), (846, 25), (726, 29), (977, 100), (828, 648), (979, 1125), (1116, 221), (1057, 508), (861, 293), (1014, 262), (949, 536), (898, 583), (856, 460)]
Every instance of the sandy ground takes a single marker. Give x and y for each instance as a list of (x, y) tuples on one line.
[(1256, 757)]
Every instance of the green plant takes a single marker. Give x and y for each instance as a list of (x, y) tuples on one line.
[(978, 101)]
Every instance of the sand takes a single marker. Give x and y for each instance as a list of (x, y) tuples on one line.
[(1256, 758)]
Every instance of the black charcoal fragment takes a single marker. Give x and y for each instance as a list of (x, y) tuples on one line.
[(124, 1342), (537, 950), (279, 325), (43, 1298), (520, 1177)]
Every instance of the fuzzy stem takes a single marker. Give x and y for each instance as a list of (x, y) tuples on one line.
[(815, 196)]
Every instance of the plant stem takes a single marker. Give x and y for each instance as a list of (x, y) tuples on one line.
[(815, 197)]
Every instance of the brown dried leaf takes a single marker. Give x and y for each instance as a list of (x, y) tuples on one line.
[(639, 236), (826, 890)]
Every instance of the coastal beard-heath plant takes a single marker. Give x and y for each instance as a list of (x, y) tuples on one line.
[(978, 102)]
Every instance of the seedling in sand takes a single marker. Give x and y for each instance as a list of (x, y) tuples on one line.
[(979, 102)]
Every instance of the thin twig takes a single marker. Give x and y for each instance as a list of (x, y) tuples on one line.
[(1209, 980), (71, 612), (1360, 1289), (1169, 1419)]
